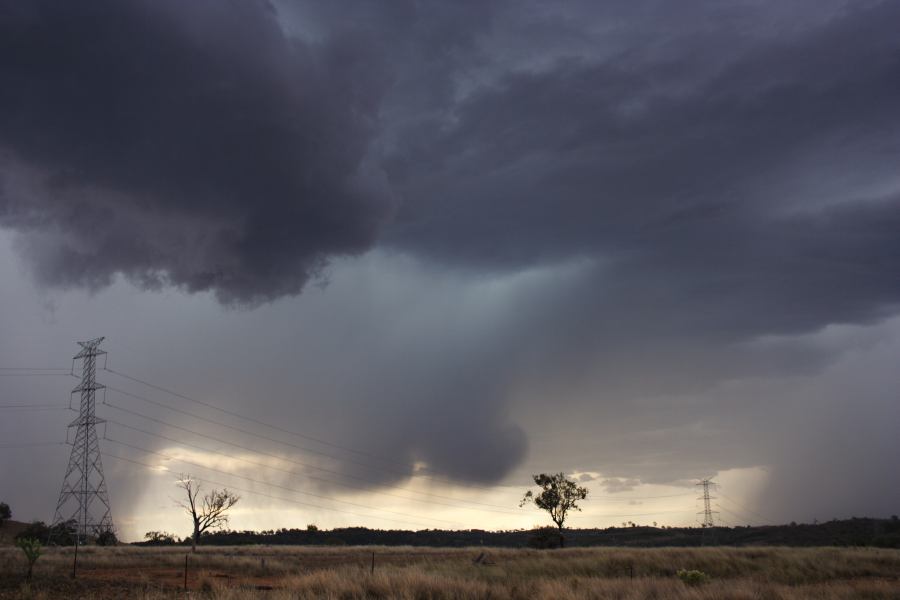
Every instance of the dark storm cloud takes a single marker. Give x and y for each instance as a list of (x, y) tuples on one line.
[(202, 146), (713, 192), (723, 190), (677, 179), (716, 204), (191, 144)]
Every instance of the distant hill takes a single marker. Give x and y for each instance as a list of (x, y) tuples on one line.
[(849, 532), (9, 530)]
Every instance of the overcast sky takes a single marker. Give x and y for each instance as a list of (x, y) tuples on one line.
[(441, 246)]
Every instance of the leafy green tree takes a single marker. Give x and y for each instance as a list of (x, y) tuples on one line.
[(32, 549), (558, 495), (5, 513)]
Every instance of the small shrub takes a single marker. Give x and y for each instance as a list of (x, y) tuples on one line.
[(207, 585), (161, 538), (692, 577), (26, 592), (32, 549), (107, 538), (544, 538)]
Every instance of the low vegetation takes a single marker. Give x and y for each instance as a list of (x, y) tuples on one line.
[(883, 533), (279, 573), (692, 576), (31, 548)]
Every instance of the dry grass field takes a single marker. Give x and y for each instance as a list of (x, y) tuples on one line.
[(281, 573)]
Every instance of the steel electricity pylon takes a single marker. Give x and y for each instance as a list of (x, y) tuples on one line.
[(708, 512), (708, 523), (83, 498)]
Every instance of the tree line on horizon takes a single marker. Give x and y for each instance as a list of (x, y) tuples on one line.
[(557, 495)]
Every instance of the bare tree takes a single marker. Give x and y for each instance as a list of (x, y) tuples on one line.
[(206, 511), (558, 496)]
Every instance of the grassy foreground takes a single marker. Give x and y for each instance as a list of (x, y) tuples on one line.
[(280, 573)]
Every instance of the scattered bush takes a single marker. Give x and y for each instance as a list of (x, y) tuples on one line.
[(544, 538), (161, 538), (32, 549), (692, 577), (107, 538), (62, 534)]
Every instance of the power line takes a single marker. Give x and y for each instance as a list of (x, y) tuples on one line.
[(728, 522), (244, 431), (650, 514), (326, 497), (733, 514), (30, 374), (305, 436), (643, 497), (263, 494), (300, 463), (285, 443), (67, 369), (293, 472), (487, 506), (31, 444), (305, 449), (296, 491), (33, 408), (251, 419), (279, 457), (29, 405), (278, 428), (54, 371), (747, 510)]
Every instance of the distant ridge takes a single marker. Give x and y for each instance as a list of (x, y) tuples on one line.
[(848, 532), (9, 530)]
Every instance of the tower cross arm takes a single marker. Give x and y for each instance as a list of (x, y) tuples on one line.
[(89, 348)]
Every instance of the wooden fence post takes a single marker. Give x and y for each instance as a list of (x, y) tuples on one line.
[(75, 562)]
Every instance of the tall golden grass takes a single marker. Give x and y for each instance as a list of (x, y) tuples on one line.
[(438, 574)]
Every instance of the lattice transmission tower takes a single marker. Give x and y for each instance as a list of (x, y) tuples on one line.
[(83, 498), (707, 512)]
